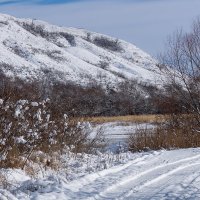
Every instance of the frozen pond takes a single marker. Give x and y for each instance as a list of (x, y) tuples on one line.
[(117, 133)]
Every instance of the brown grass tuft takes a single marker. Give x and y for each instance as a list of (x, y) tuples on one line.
[(176, 132)]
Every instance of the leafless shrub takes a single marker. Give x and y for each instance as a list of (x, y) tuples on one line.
[(6, 66), (4, 23), (51, 36), (181, 63), (16, 49), (103, 64), (119, 74), (17, 89), (112, 45), (55, 55), (35, 29), (88, 38), (70, 38), (177, 131)]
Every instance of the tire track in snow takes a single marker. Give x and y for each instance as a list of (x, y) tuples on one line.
[(157, 179), (125, 180), (189, 188), (76, 185)]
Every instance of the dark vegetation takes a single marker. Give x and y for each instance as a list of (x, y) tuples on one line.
[(181, 128), (39, 30), (104, 42), (176, 131), (129, 99)]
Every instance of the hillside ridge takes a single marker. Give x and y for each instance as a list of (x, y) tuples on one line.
[(33, 49)]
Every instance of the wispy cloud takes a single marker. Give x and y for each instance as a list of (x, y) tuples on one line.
[(4, 2), (44, 2)]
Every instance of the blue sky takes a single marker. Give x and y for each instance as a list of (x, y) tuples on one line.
[(146, 23), (40, 2)]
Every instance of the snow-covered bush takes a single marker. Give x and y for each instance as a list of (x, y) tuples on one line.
[(35, 29), (38, 29), (28, 127), (103, 64)]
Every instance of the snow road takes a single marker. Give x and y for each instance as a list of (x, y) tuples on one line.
[(156, 175)]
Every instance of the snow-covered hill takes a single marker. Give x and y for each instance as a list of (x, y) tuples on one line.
[(32, 49)]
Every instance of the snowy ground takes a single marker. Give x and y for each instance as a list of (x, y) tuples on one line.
[(152, 175), (157, 175)]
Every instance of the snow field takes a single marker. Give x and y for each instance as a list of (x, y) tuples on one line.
[(149, 175)]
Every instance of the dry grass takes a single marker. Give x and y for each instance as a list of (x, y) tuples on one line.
[(3, 181), (177, 132), (128, 118)]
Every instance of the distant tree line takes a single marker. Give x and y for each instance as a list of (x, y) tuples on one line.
[(130, 97)]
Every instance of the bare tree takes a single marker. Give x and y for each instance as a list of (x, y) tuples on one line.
[(181, 61)]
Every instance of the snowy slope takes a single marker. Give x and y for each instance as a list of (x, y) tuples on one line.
[(161, 175), (32, 49), (154, 175)]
